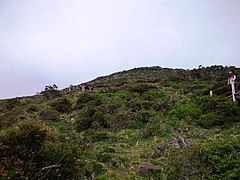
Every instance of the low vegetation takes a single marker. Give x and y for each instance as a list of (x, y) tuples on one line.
[(125, 129)]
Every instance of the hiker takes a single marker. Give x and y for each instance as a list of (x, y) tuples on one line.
[(87, 87), (83, 87), (232, 78), (70, 88)]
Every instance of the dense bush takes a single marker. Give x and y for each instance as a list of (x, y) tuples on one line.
[(11, 117), (84, 119), (11, 103), (208, 120), (20, 147), (32, 108), (186, 110), (49, 114), (164, 101), (138, 104), (50, 93), (26, 154), (93, 118), (65, 157), (83, 98), (217, 111), (62, 105), (122, 120), (146, 115), (140, 87), (216, 160), (207, 112), (100, 120)]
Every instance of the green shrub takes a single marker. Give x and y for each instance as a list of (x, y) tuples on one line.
[(146, 115), (209, 120), (50, 93), (94, 167), (84, 119), (185, 110), (140, 87), (157, 94), (150, 105), (156, 127), (11, 117), (104, 157), (11, 103), (62, 105), (49, 114), (217, 111), (120, 95), (32, 108), (95, 136), (147, 97), (213, 160), (67, 155), (112, 106), (121, 120), (163, 101), (100, 119), (138, 104), (228, 110), (83, 98)]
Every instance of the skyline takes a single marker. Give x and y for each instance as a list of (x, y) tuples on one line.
[(70, 42)]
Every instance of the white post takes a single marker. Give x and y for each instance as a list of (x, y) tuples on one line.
[(233, 90), (211, 93)]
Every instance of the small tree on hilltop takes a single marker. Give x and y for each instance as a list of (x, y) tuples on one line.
[(51, 92)]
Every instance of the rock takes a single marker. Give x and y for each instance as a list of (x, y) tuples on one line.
[(183, 142), (178, 141), (147, 167), (144, 134), (197, 134)]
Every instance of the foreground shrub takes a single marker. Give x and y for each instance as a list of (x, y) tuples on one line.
[(26, 153), (20, 147), (65, 160)]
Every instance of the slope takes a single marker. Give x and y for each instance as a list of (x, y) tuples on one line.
[(144, 123)]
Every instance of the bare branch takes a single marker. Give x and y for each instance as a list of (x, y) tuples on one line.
[(52, 166)]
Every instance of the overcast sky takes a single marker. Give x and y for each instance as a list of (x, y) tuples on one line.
[(43, 42)]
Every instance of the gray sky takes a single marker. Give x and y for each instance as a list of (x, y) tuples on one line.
[(43, 42)]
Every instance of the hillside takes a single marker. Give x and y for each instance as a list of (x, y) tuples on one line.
[(143, 123)]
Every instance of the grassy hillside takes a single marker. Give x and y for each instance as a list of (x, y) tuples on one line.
[(144, 123)]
